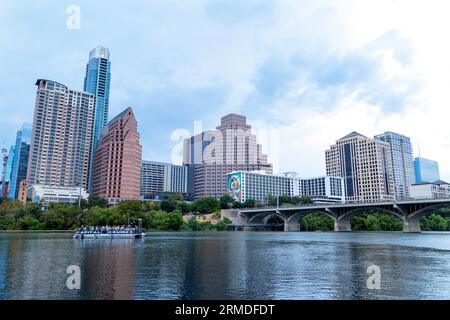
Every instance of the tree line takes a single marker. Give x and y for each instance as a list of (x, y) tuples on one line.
[(168, 215), (165, 216)]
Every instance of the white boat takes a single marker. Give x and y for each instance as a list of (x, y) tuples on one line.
[(106, 236), (110, 233)]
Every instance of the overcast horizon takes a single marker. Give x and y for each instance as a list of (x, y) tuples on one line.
[(309, 72)]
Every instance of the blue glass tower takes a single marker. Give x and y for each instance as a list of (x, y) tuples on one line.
[(97, 81), (402, 162), (20, 161), (426, 170), (8, 167)]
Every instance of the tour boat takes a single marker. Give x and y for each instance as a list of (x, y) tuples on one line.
[(81, 236)]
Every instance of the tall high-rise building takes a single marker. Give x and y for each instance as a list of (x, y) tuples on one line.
[(366, 166), (97, 81), (426, 170), (61, 140), (117, 160), (20, 161), (402, 162), (158, 177), (212, 155), (7, 167)]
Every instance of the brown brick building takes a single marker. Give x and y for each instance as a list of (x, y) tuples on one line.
[(117, 160)]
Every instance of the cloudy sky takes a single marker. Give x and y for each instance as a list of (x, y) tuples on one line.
[(305, 73)]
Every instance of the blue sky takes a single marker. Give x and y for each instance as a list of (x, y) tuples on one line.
[(311, 71)]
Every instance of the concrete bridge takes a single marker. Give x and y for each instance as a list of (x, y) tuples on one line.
[(409, 211)]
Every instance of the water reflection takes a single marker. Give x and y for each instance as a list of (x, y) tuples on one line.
[(227, 266)]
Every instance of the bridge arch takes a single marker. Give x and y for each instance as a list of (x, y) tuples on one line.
[(343, 222), (350, 214), (263, 217), (417, 215), (301, 214), (292, 222)]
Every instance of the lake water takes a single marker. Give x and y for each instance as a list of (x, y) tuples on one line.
[(228, 265)]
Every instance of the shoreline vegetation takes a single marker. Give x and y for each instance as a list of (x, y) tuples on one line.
[(176, 214)]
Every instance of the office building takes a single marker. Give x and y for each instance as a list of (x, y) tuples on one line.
[(402, 162), (23, 192), (61, 140), (20, 160), (8, 158), (45, 194), (97, 81), (430, 190), (258, 186), (426, 170), (366, 166), (323, 189), (159, 177), (117, 160), (211, 155)]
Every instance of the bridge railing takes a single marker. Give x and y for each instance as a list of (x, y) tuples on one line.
[(348, 203)]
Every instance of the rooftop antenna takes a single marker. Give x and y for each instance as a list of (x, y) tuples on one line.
[(418, 146)]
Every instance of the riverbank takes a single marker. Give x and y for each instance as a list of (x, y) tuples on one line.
[(175, 215)]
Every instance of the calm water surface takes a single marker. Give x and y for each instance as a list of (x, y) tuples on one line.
[(229, 265)]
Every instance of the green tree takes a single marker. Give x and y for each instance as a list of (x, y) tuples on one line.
[(95, 201), (434, 222), (223, 225), (205, 205), (184, 207), (316, 222), (225, 201), (168, 205)]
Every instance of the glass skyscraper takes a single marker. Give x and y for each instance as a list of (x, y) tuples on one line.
[(426, 170), (97, 82), (20, 161), (402, 162)]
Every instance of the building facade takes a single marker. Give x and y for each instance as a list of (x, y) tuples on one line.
[(19, 165), (258, 186), (426, 170), (45, 194), (117, 160), (23, 192), (211, 155), (97, 81), (366, 166), (430, 190), (61, 140), (402, 162), (323, 189), (159, 177), (7, 168)]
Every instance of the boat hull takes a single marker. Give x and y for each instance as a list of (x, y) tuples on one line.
[(109, 236)]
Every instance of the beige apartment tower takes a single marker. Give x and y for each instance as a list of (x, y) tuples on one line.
[(117, 160), (366, 166), (61, 140)]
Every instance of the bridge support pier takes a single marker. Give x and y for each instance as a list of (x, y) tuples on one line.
[(411, 225), (342, 226), (290, 226)]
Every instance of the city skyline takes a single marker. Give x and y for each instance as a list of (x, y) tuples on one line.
[(266, 82)]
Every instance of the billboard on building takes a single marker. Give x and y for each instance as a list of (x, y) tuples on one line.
[(234, 186)]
